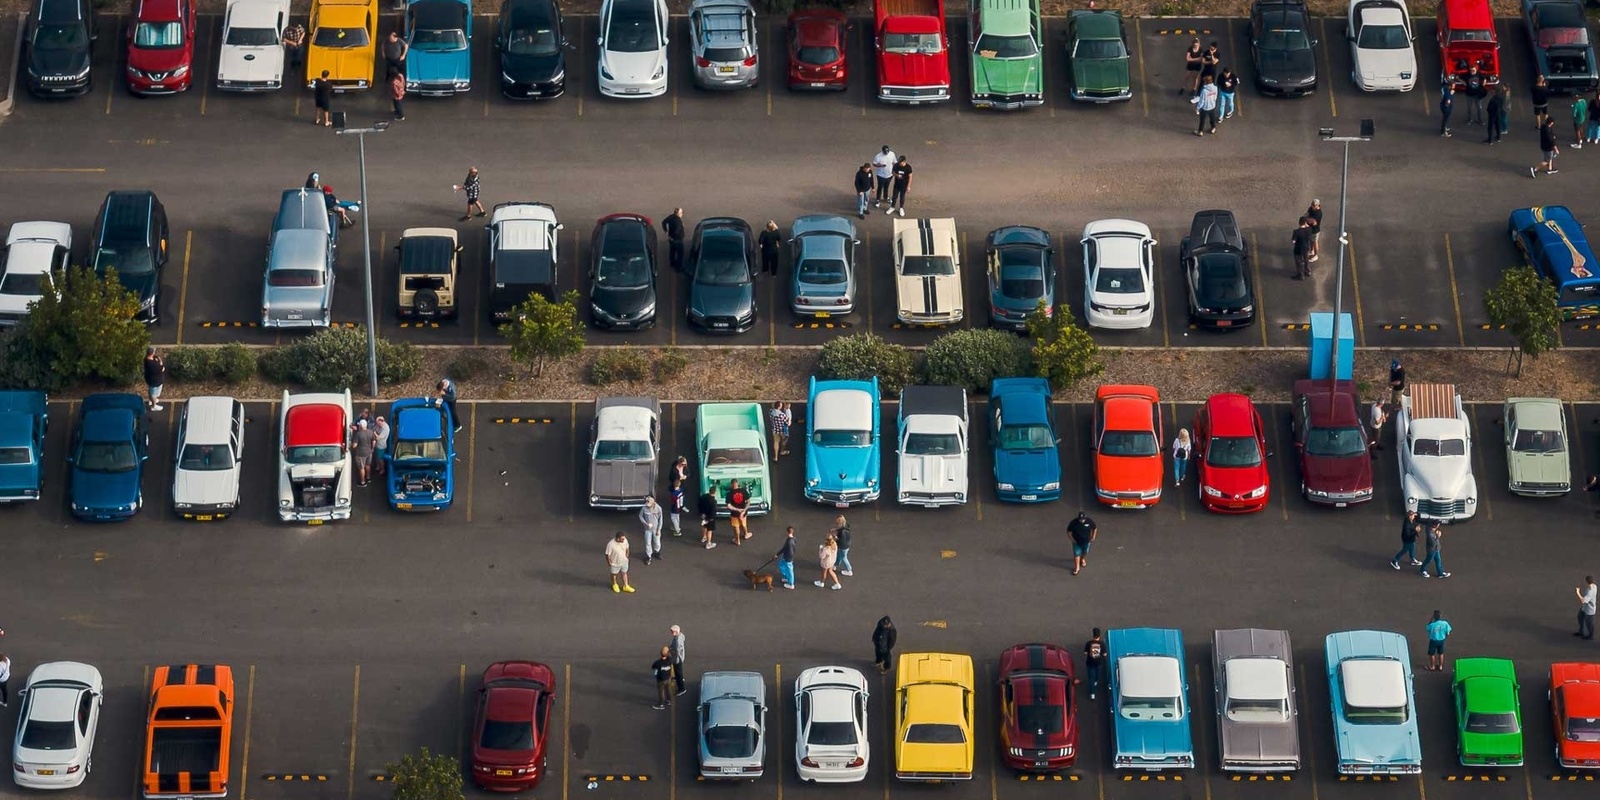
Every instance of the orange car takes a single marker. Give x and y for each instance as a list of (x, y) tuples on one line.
[(1575, 707), (1127, 446), (189, 732)]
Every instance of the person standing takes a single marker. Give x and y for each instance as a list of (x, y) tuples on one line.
[(447, 396), (1539, 95), (380, 429), (672, 225), (1192, 59), (1547, 149), (294, 46), (1314, 213), (617, 562), (785, 556), (155, 374), (322, 95), (883, 171), (1377, 417), (1586, 602), (1580, 120), (863, 189), (1434, 552), (1181, 448), (883, 639), (739, 511), (363, 443), (828, 559), (1476, 90), (472, 187), (680, 470), (5, 679), (771, 243), (1505, 109), (677, 646), (395, 50), (1410, 529), (1094, 657), (662, 669), (1447, 106), (676, 506), (397, 95), (778, 421), (1497, 109), (1397, 382), (1082, 530), (1592, 133), (841, 536), (707, 506), (1206, 107), (1210, 61), (1227, 86), (650, 520), (1438, 630), (1303, 239), (902, 184)]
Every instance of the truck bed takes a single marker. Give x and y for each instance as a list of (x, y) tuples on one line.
[(178, 750), (909, 8)]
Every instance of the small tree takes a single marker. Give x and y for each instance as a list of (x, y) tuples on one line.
[(973, 358), (542, 331), (860, 356), (426, 776), (83, 328), (1526, 305), (1063, 353)]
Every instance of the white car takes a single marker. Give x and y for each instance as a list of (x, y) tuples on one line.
[(633, 48), (209, 457), (830, 717), (1434, 440), (1381, 55), (55, 728), (927, 272), (34, 250), (932, 446), (251, 59), (1119, 274), (314, 462)]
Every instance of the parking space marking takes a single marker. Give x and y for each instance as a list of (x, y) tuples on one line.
[(249, 712), (1200, 760), (1144, 85), (472, 453), (672, 752), (1161, 302), (355, 705), (572, 447), (204, 76), (1571, 776), (138, 768), (1311, 747), (1471, 778), (1255, 266), (183, 290), (1327, 69), (1455, 294), (1355, 282), (20, 170), (777, 708)]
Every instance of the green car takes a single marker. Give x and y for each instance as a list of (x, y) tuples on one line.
[(1007, 64), (1097, 55), (1488, 714)]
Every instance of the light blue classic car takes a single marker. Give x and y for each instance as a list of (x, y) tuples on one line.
[(1149, 700), (1374, 708), (824, 266), (842, 453), (440, 35)]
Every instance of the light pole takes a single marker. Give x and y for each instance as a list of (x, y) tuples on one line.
[(366, 240), (1344, 203)]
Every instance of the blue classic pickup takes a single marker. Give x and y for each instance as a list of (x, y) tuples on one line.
[(24, 418)]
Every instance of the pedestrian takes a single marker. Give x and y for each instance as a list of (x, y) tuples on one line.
[(1586, 597), (1094, 656), (841, 536), (397, 94), (1397, 382), (365, 416), (1539, 95), (1433, 551), (680, 470), (1227, 86), (739, 511), (662, 668), (1580, 120), (1378, 415), (5, 679), (1083, 530), (314, 182), (1592, 132), (617, 562), (863, 189), (1205, 106), (1497, 109), (363, 443), (771, 243), (1314, 213), (672, 225), (380, 429), (1410, 529), (650, 520), (1547, 149), (447, 395), (707, 506), (1593, 486), (1210, 60), (1447, 106), (677, 646), (676, 507), (1192, 59), (1182, 447), (472, 187), (294, 46), (322, 95), (883, 639), (778, 420), (828, 559), (785, 556), (1505, 109), (395, 50), (155, 373), (883, 171), (902, 184), (1303, 240), (335, 208), (1476, 90), (1438, 631)]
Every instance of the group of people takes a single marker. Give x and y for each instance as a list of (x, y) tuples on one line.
[(395, 51), (1476, 87), (1585, 125), (885, 178), (1213, 89)]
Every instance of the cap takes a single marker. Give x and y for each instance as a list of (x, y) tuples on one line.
[(1395, 363), (361, 423), (1316, 201)]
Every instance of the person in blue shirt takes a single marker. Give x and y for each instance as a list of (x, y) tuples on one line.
[(1438, 631)]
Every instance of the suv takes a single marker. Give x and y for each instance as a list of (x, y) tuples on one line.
[(130, 236), (522, 255), (297, 291), (160, 47), (60, 46), (723, 36), (428, 261), (34, 252)]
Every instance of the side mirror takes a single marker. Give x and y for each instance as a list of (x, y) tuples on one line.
[(560, 226), (601, 41), (1315, 42), (1269, 454)]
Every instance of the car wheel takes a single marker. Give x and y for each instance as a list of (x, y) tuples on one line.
[(426, 303)]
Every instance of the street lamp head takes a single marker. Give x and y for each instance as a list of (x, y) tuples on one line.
[(1326, 133)]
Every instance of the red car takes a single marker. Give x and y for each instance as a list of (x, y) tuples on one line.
[(1231, 455), (817, 50), (1335, 465), (160, 46), (1038, 714), (1575, 707), (508, 736), (1127, 446)]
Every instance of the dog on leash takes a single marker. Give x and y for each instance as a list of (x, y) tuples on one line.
[(758, 579)]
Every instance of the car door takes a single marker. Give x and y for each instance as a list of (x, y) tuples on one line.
[(1091, 260), (238, 433), (802, 721)]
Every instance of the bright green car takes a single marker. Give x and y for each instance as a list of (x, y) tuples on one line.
[(1007, 64), (1097, 57), (1488, 715)]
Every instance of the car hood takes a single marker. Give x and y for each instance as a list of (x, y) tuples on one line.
[(1287, 67), (930, 294), (532, 69), (205, 486), (633, 67), (1337, 474), (841, 468), (1128, 473), (903, 69), (16, 477), (342, 63), (629, 300), (933, 473), (722, 301), (1152, 740), (621, 478), (165, 59), (1385, 64), (57, 62), (1005, 76), (442, 67), (1377, 744), (1256, 742), (1100, 74), (1540, 467), (142, 285), (103, 489), (1030, 468), (1441, 477), (250, 63), (1236, 480), (16, 304), (295, 298)]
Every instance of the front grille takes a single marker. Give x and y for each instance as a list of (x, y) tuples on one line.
[(1441, 509), (842, 497), (1521, 486)]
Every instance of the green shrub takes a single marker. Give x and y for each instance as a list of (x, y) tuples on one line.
[(23, 366), (973, 358), (1063, 353), (860, 356), (468, 366), (614, 364), (336, 359), (670, 364), (276, 365), (233, 364), (191, 364), (398, 362)]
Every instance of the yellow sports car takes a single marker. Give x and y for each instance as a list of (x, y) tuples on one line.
[(933, 717), (343, 41)]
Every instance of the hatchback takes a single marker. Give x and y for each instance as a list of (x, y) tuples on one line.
[(1231, 454), (817, 50), (723, 36)]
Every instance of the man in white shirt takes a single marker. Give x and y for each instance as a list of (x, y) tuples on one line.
[(617, 562), (883, 171), (1586, 598), (1379, 416)]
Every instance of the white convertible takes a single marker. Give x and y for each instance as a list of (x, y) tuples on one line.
[(210, 458), (251, 59), (927, 271), (314, 463), (1381, 56), (1435, 443)]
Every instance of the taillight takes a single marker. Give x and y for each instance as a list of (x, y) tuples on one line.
[(842, 301), (750, 62), (807, 762), (857, 761), (74, 768), (701, 62)]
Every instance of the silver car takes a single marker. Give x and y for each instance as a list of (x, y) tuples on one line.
[(824, 247), (297, 291), (1256, 714), (722, 35), (624, 451), (732, 725)]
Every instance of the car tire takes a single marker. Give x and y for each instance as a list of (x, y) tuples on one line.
[(426, 303)]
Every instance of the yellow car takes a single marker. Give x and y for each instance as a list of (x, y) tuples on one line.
[(933, 717), (343, 41)]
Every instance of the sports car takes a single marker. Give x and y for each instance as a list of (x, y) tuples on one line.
[(1127, 446), (824, 258), (1231, 455), (1038, 710), (832, 740), (1007, 62), (933, 718), (1563, 52), (731, 723), (1022, 275), (1282, 47), (533, 50), (1488, 713), (510, 730), (1149, 700), (842, 442), (1022, 436), (440, 34), (1374, 706), (1335, 465), (109, 446), (344, 41), (1257, 721), (1382, 58), (927, 272), (622, 275), (60, 714), (1217, 270), (1551, 239), (1574, 694), (251, 57), (421, 455)]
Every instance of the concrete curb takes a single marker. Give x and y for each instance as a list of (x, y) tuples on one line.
[(16, 66)]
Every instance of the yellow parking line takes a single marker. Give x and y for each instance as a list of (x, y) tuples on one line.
[(566, 730), (572, 447), (1144, 85), (777, 708), (183, 291), (866, 272), (672, 753), (1200, 741), (1488, 509), (1455, 294), (1261, 303), (249, 711), (472, 453), (461, 698), (1283, 495), (1355, 283), (138, 765), (1327, 69), (20, 170), (205, 76), (355, 704)]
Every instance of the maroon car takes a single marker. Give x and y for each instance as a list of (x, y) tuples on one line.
[(1335, 466), (1038, 712), (508, 735), (817, 50)]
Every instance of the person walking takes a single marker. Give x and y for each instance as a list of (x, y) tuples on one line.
[(1302, 240), (363, 443), (1206, 107), (1592, 132), (863, 189), (662, 669), (1505, 109), (1438, 630), (1548, 150), (397, 95), (650, 519), (447, 395), (1434, 551), (322, 95), (472, 187), (395, 50), (883, 639), (672, 226), (1378, 415), (1227, 88), (1476, 90), (707, 506), (294, 46), (1580, 120), (828, 559), (1497, 109), (380, 429), (1447, 106), (1539, 96), (902, 184), (1094, 657), (785, 556), (739, 511), (1192, 58), (1314, 213), (617, 562), (1082, 530), (778, 421), (1586, 598), (676, 507), (5, 679), (1182, 447), (1397, 382), (1410, 529), (155, 374), (677, 646), (883, 172), (841, 536), (771, 243)]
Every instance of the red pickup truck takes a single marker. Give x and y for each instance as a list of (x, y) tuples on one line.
[(913, 51)]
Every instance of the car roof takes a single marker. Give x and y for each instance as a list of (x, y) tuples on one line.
[(419, 423), (127, 214), (1373, 682), (843, 408), (1538, 412), (1231, 415), (310, 424), (53, 703), (209, 419), (157, 10), (1382, 15), (832, 703), (55, 12), (1469, 14), (298, 248), (108, 425), (933, 701), (1119, 251), (30, 257), (1005, 17), (622, 423), (426, 250), (1149, 676), (1257, 678), (1127, 413)]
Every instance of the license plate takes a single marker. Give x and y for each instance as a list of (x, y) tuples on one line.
[(724, 70), (1127, 504), (295, 315), (205, 517), (818, 85), (313, 522), (930, 505), (403, 506), (823, 315), (631, 91), (1030, 497), (1340, 505), (1041, 764), (45, 772), (1224, 323), (841, 505), (504, 772), (719, 324), (1119, 311)]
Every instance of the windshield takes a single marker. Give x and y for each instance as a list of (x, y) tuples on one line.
[(533, 42), (731, 741), (613, 450), (910, 44), (1383, 37), (841, 438), (158, 35), (1041, 720), (1258, 710), (15, 455), (722, 262), (1385, 715), (928, 265), (1149, 708), (1538, 442), (823, 271), (1283, 39), (1128, 443), (724, 55), (48, 736), (419, 450), (1439, 447), (1026, 437), (933, 733), (623, 272), (931, 444), (834, 734), (315, 454), (817, 56), (1004, 47), (294, 277), (1335, 442), (205, 458), (725, 456), (60, 37), (499, 734), (1096, 49), (1020, 279), (107, 457), (438, 40), (1233, 451), (633, 29), (137, 261), (1583, 729), (252, 37), (1492, 723), (340, 37), (1119, 281), (26, 284)]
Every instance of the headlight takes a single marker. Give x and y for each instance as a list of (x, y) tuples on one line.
[(343, 501), (1405, 76), (507, 78), (1247, 310), (76, 507), (1051, 486), (83, 73), (599, 312), (1259, 492), (1005, 487), (905, 495), (661, 72), (872, 483), (463, 84), (647, 310), (560, 75), (695, 313), (183, 505), (748, 315), (594, 498), (1017, 752), (1210, 492), (1316, 493), (284, 503), (147, 303), (399, 495), (1472, 501), (606, 73), (812, 481), (884, 91), (1272, 81), (180, 72)]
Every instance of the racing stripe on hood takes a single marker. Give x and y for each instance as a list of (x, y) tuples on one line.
[(930, 290)]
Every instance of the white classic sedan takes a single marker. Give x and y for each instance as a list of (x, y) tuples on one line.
[(1119, 274), (830, 715), (210, 458), (55, 729), (633, 48), (1381, 56), (34, 251), (251, 58)]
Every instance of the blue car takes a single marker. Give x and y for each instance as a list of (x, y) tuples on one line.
[(421, 456), (440, 35), (1149, 700), (1022, 274), (824, 266), (109, 447), (1022, 434), (24, 418), (1374, 707), (842, 453), (1551, 240)]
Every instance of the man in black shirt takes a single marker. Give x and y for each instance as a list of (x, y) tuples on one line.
[(1547, 148), (1397, 382), (707, 507), (902, 183), (1304, 239), (1094, 655), (1410, 529), (863, 189), (1476, 90), (322, 95), (662, 667), (1539, 95), (1083, 532), (673, 225), (771, 241)]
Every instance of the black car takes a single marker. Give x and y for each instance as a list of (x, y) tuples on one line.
[(60, 44), (622, 273), (130, 237), (1283, 49), (722, 261), (1217, 271), (533, 62)]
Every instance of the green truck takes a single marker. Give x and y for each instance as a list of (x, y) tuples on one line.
[(1007, 63), (732, 442)]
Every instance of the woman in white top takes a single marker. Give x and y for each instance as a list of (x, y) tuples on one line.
[(1182, 447)]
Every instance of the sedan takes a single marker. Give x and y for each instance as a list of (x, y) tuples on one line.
[(1022, 275), (55, 728), (622, 273), (1127, 446), (831, 734), (109, 448), (633, 48), (1488, 713), (34, 252), (732, 725), (1119, 274), (723, 38), (509, 731), (824, 247), (1038, 712), (722, 263), (1284, 53), (1217, 271), (1335, 467), (440, 35), (1231, 454), (532, 46), (817, 50)]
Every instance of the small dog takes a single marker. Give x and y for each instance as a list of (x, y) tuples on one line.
[(758, 579)]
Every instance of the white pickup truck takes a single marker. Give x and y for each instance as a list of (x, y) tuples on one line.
[(1434, 440)]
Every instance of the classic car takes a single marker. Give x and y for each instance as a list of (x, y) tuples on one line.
[(622, 273), (109, 446), (1374, 707), (209, 458), (1536, 446), (842, 447), (1335, 465), (1552, 240), (34, 251), (429, 262), (913, 51), (731, 725), (160, 47), (251, 57), (510, 731), (1282, 48), (130, 238), (188, 732), (724, 44), (1022, 436), (1488, 713), (1119, 289), (1021, 263), (297, 287), (1127, 443), (343, 40), (1563, 52), (933, 718), (24, 419), (1434, 437), (439, 32), (314, 462), (722, 268), (1038, 710), (1258, 726), (56, 725), (1007, 62), (533, 50), (1216, 268), (927, 272), (832, 743), (633, 48), (1149, 700), (933, 446), (1467, 39), (1097, 56), (817, 50), (421, 455), (1381, 55), (624, 451), (1574, 694), (824, 259), (60, 48), (732, 447), (1230, 455), (523, 255)]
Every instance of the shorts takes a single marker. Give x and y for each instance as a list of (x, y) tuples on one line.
[(322, 105), (622, 570), (709, 523), (1192, 67), (1435, 648), (1080, 550), (1549, 156), (155, 392), (1542, 109), (362, 462)]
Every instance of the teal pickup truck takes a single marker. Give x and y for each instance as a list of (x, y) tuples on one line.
[(24, 418), (732, 443)]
